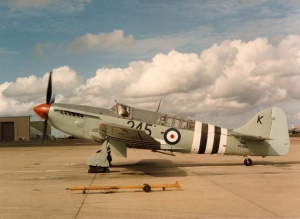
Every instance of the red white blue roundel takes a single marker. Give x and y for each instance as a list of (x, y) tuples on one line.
[(172, 136)]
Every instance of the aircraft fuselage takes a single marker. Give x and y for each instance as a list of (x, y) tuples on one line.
[(173, 133)]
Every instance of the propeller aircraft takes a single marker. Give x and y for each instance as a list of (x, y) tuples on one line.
[(122, 127), (295, 129)]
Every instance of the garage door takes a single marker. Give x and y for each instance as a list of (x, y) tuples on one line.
[(8, 131)]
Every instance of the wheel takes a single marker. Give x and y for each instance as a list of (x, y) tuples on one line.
[(248, 162), (105, 169), (98, 169), (92, 169), (147, 188)]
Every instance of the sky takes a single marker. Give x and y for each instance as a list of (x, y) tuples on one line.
[(215, 61)]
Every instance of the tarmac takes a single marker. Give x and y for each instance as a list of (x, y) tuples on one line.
[(33, 182)]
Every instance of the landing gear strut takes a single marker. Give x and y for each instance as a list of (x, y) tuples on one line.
[(101, 160), (248, 162)]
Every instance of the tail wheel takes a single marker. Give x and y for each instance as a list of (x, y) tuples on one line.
[(147, 188), (248, 162)]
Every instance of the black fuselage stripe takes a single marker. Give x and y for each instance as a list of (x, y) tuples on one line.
[(203, 140), (217, 138)]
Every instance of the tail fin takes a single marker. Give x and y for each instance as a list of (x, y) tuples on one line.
[(269, 125)]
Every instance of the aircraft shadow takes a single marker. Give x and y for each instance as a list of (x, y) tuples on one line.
[(153, 167), (280, 163), (166, 168)]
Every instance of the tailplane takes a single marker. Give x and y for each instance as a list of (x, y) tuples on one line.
[(268, 125)]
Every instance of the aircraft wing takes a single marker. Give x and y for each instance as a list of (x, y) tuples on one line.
[(249, 137), (133, 137)]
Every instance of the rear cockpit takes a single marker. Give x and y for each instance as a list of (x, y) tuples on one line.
[(176, 122)]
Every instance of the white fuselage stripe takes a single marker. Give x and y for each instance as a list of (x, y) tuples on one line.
[(210, 139), (197, 137)]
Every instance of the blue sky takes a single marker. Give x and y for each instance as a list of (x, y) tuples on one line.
[(23, 26), (86, 39)]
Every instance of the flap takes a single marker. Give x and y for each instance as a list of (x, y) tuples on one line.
[(133, 137)]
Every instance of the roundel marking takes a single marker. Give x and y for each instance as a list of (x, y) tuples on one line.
[(172, 136)]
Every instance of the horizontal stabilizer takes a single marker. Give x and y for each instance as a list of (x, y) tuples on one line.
[(249, 137)]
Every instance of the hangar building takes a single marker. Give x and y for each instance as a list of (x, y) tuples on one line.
[(20, 128), (15, 128)]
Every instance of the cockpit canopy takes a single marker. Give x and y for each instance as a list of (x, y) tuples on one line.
[(127, 112), (176, 122), (122, 110)]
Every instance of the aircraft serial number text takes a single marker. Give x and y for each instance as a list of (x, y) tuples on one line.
[(140, 126)]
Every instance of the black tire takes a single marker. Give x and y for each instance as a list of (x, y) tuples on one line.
[(147, 188), (98, 169), (91, 169), (248, 162)]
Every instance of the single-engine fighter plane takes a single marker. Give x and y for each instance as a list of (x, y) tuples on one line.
[(295, 129), (122, 126)]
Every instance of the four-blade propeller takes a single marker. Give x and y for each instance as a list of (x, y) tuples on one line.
[(43, 109)]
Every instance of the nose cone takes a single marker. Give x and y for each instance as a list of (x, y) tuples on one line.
[(42, 110)]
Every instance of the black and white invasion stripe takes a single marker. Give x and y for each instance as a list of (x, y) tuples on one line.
[(209, 139)]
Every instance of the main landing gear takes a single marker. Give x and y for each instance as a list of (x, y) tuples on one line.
[(97, 169), (248, 162), (101, 160)]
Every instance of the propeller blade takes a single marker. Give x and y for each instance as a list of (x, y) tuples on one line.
[(49, 89), (48, 100), (52, 99), (44, 131)]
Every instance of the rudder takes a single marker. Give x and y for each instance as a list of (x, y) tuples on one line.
[(280, 143)]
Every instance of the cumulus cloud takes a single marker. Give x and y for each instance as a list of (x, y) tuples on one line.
[(64, 80), (168, 73), (26, 87), (225, 79), (19, 97), (87, 42), (108, 83)]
